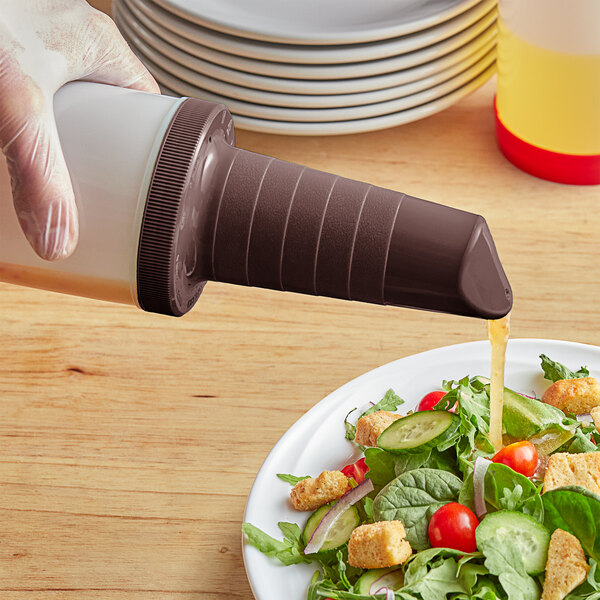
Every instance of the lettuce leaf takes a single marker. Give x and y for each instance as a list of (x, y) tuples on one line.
[(555, 371)]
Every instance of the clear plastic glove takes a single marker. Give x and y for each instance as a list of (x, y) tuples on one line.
[(43, 45)]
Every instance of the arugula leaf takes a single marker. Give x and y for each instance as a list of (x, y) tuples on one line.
[(390, 401), (287, 552), (291, 532), (412, 497), (576, 510), (349, 427), (555, 371), (291, 479), (433, 574), (504, 561), (473, 409), (341, 567)]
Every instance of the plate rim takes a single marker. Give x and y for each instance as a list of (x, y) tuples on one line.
[(458, 7), (293, 53)]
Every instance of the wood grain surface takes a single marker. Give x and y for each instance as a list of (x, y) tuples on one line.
[(129, 441)]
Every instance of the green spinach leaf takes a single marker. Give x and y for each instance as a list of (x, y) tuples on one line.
[(576, 510), (506, 489), (412, 497), (382, 465)]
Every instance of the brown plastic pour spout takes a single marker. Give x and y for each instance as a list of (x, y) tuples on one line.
[(216, 212)]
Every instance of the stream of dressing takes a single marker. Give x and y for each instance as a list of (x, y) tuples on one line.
[(498, 332)]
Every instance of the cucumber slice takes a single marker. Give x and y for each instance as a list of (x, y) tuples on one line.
[(419, 432), (374, 579), (339, 534), (523, 531)]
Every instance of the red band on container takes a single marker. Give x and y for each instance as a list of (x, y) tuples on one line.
[(553, 166)]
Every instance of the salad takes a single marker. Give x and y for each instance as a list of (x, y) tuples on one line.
[(430, 512)]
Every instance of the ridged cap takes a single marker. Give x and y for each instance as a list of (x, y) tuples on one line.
[(165, 283)]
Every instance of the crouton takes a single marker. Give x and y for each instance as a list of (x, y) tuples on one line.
[(576, 396), (376, 545), (573, 469), (595, 412), (369, 428), (566, 567), (311, 493)]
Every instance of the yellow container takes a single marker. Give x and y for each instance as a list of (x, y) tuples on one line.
[(548, 99)]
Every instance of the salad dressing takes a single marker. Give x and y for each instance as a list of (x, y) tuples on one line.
[(498, 332)]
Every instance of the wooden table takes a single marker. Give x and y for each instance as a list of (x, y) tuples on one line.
[(129, 441)]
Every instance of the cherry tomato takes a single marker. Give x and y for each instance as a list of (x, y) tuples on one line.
[(453, 526), (430, 400), (521, 457), (356, 470)]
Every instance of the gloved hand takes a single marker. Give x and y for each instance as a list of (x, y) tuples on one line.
[(43, 45)]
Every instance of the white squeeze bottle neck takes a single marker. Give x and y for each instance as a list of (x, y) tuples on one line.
[(110, 138)]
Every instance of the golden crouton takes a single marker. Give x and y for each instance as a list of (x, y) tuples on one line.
[(595, 412), (573, 469), (369, 428), (376, 545), (311, 493), (566, 567), (576, 396)]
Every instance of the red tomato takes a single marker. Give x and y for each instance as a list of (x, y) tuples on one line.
[(430, 400), (453, 526), (521, 457), (356, 470)]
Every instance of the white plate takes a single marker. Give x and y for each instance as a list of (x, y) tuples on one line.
[(421, 91), (247, 102), (315, 21), (283, 76), (316, 441), (176, 87), (268, 90), (444, 38)]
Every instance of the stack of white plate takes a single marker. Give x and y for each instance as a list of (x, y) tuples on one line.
[(316, 67)]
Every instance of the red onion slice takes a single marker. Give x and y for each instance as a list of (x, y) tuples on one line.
[(479, 470), (585, 418), (389, 594), (317, 539)]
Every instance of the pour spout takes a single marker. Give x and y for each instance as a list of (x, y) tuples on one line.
[(282, 226)]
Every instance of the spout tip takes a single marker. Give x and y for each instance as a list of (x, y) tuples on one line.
[(483, 283)]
